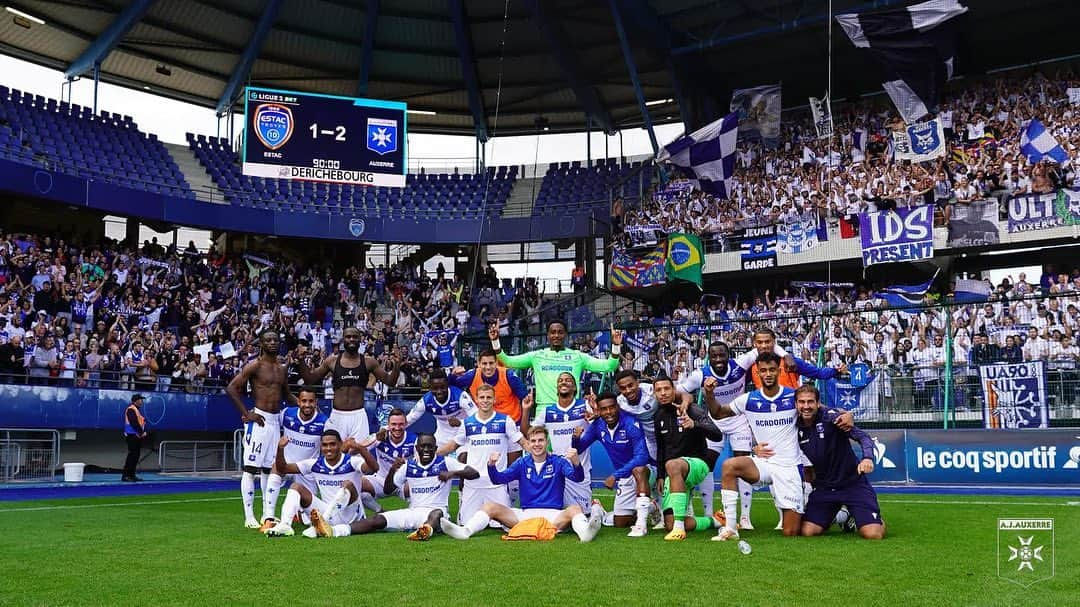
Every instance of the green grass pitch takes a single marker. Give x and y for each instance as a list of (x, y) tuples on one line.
[(192, 549)]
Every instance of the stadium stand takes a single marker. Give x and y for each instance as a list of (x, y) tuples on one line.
[(84, 315), (425, 196), (73, 140), (798, 179)]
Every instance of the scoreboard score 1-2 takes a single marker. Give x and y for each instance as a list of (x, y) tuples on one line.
[(312, 137)]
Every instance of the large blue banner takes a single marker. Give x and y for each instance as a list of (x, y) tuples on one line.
[(906, 234), (992, 457), (92, 409)]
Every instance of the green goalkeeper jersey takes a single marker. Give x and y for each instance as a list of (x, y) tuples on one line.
[(547, 364)]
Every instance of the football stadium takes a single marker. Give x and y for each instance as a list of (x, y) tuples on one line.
[(539, 302)]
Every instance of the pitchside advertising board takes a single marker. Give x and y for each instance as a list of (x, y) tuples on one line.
[(294, 135)]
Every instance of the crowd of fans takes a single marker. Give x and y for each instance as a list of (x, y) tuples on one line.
[(804, 179), (1024, 319), (153, 317)]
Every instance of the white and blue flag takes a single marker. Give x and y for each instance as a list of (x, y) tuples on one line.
[(1037, 143), (904, 296), (970, 290), (706, 156)]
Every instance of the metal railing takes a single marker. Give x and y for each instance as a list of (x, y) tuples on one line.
[(196, 456), (28, 454)]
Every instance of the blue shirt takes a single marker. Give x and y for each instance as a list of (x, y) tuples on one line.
[(543, 488), (625, 444), (829, 449)]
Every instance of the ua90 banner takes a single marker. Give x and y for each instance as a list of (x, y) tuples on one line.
[(1014, 395)]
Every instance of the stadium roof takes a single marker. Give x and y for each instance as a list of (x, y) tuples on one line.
[(558, 61)]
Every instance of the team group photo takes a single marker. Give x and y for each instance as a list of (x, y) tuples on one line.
[(539, 302)]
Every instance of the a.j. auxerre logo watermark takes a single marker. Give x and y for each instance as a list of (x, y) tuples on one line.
[(1025, 550)]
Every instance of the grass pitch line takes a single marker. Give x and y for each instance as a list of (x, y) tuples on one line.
[(113, 505), (976, 503)]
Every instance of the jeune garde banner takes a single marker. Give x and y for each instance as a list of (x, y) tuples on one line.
[(906, 234)]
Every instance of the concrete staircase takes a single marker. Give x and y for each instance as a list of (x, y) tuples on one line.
[(522, 196), (195, 173)]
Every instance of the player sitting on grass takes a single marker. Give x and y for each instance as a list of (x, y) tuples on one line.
[(337, 478), (624, 440), (543, 479), (303, 425), (429, 477)]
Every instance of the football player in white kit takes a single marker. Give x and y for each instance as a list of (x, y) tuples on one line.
[(391, 443), (771, 413), (726, 379), (337, 479), (303, 425), (560, 420), (429, 477), (448, 404), (484, 433)]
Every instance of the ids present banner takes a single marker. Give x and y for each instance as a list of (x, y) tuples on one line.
[(797, 236), (974, 224), (905, 234), (758, 248), (920, 142), (1014, 395)]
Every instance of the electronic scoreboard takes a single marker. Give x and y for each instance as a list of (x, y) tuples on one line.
[(312, 137)]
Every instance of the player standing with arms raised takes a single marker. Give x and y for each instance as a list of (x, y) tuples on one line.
[(349, 372), (548, 363)]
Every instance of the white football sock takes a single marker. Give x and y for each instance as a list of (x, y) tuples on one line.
[(290, 507), (270, 495), (746, 498), (477, 522), (515, 493), (342, 530), (730, 499), (337, 505), (609, 519), (707, 487), (369, 502), (247, 492), (580, 525), (807, 489), (641, 506)]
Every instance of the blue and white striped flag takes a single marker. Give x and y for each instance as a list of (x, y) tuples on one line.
[(1037, 143), (903, 296), (706, 156)]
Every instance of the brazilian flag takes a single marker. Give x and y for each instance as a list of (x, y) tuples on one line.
[(684, 258)]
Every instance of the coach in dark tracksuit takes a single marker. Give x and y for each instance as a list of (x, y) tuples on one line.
[(134, 433), (839, 479)]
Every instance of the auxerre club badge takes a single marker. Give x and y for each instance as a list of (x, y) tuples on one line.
[(1025, 550), (273, 124), (382, 135)]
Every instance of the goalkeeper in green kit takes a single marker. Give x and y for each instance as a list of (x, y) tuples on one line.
[(548, 363)]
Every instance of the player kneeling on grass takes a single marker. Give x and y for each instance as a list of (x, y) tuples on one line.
[(771, 413), (839, 480), (624, 440), (429, 477), (542, 478), (337, 479), (684, 460)]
